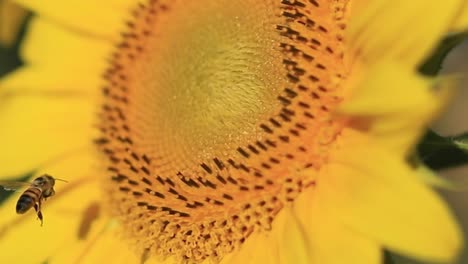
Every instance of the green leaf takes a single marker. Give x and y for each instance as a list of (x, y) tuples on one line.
[(439, 152), (394, 258), (432, 65), (9, 60), (387, 258)]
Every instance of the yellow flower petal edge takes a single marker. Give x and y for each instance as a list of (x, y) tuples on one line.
[(385, 91), (106, 239), (461, 22), (400, 28), (43, 133), (302, 233), (325, 239), (11, 17), (63, 61), (260, 247), (32, 81), (398, 104), (384, 199), (431, 178), (84, 17), (63, 48)]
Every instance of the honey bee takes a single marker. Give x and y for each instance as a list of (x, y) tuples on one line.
[(38, 191)]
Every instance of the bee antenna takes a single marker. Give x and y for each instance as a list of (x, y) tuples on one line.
[(57, 179)]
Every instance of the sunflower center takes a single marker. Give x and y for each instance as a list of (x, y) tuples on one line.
[(215, 90), (211, 112)]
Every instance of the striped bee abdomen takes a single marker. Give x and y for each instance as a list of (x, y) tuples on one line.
[(27, 200)]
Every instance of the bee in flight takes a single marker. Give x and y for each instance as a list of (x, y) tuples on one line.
[(38, 190)]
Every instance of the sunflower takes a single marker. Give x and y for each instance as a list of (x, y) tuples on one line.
[(242, 131)]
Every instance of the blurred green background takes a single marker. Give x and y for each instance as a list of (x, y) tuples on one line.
[(454, 122)]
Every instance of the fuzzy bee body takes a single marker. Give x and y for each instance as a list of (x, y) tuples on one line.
[(38, 191), (27, 200)]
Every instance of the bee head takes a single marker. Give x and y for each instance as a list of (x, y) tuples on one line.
[(45, 179), (50, 179)]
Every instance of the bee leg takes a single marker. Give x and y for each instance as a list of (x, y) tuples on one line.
[(37, 207)]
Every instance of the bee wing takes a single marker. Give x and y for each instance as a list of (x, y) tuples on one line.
[(13, 185)]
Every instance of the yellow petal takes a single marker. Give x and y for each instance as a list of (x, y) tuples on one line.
[(388, 89), (63, 214), (11, 17), (400, 29), (295, 242), (37, 129), (44, 81), (380, 196), (73, 249), (48, 45), (398, 103), (103, 19), (54, 58), (106, 246), (461, 22), (304, 234), (263, 246), (326, 240), (258, 248)]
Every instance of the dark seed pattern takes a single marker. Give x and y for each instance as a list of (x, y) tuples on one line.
[(210, 209)]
